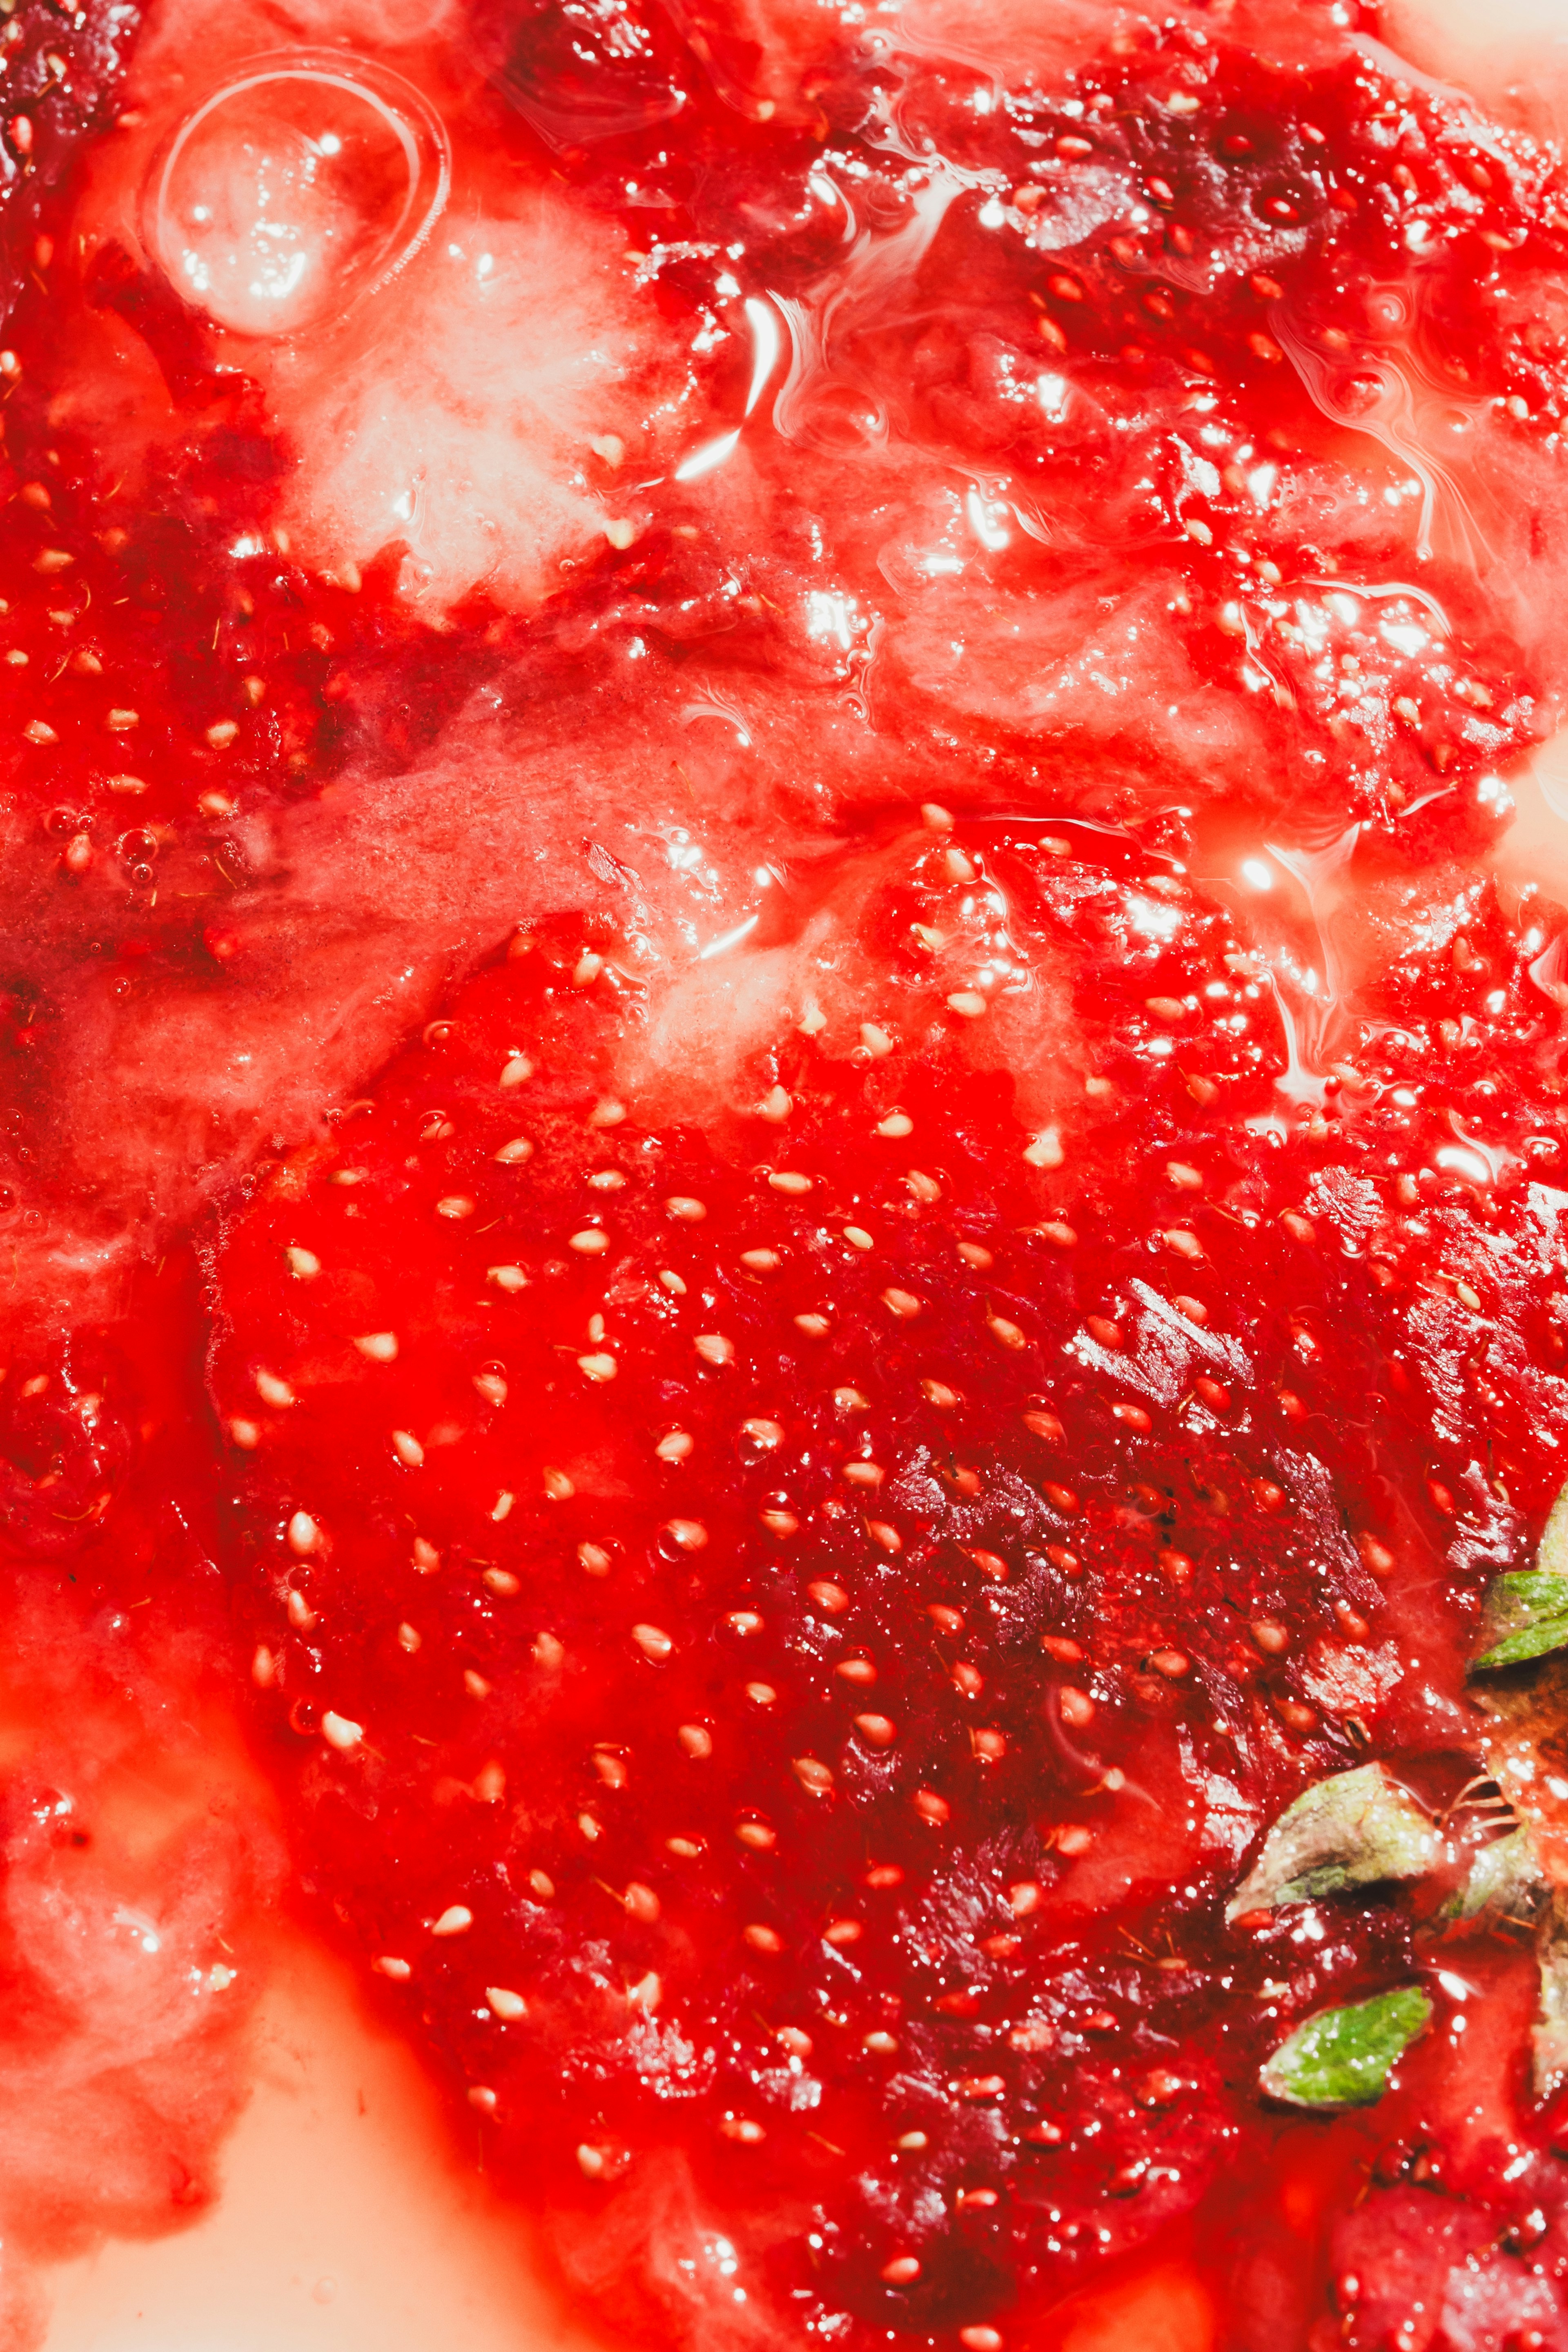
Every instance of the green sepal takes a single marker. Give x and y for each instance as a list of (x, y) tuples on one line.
[(1526, 1610), (1506, 1885), (1525, 1616), (1350, 1831), (1343, 2057)]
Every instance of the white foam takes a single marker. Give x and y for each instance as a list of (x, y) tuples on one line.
[(458, 413)]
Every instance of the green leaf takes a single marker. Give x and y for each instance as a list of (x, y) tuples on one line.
[(1350, 1831), (1506, 1883), (1526, 1614), (1341, 2057)]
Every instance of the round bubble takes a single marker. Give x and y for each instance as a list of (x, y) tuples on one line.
[(294, 189)]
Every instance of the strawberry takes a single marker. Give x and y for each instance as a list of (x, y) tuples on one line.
[(181, 684), (1161, 312), (780, 1633), (808, 1471), (63, 80), (140, 1864)]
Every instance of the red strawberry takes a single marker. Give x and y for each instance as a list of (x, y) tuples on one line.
[(1250, 368), (63, 79), (175, 729), (786, 1632), (811, 1669)]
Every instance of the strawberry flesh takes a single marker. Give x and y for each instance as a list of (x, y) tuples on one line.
[(181, 688), (1173, 322), (63, 80)]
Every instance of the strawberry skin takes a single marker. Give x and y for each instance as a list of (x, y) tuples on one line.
[(782, 1633)]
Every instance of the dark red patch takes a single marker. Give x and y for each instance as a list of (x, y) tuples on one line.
[(63, 72)]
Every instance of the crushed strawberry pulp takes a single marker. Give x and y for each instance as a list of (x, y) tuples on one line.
[(805, 1199)]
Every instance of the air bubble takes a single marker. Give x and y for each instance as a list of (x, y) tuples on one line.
[(296, 188)]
